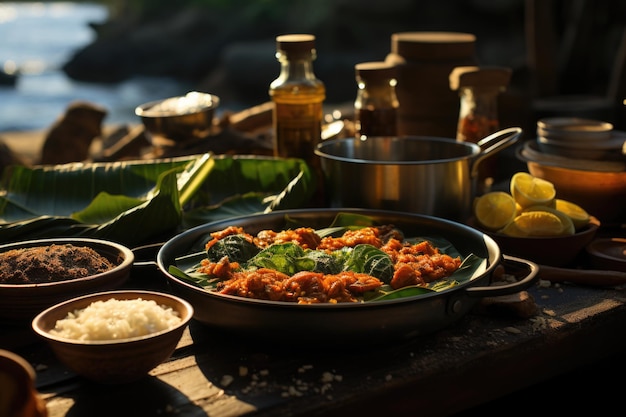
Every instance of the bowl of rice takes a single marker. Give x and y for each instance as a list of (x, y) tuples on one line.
[(114, 337)]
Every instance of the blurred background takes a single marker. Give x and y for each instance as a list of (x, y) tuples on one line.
[(121, 53)]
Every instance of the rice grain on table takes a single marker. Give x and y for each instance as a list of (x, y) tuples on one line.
[(116, 319)]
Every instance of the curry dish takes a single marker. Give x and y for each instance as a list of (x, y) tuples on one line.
[(390, 260)]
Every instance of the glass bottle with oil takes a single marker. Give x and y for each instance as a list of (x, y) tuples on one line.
[(298, 97)]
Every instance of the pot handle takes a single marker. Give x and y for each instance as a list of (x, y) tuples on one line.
[(494, 143), (506, 289), (145, 256)]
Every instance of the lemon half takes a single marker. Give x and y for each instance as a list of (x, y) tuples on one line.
[(528, 190), (567, 226), (495, 209), (577, 214)]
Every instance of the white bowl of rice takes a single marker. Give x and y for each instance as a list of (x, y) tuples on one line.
[(115, 336)]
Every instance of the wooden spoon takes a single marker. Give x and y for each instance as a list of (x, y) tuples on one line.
[(602, 278)]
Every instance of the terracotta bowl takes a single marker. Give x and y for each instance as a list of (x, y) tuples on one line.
[(600, 193), (556, 251), (178, 119), (119, 360), (19, 303)]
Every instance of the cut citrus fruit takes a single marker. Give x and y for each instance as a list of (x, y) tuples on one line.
[(539, 223), (495, 209), (528, 190), (577, 214), (567, 226), (511, 229)]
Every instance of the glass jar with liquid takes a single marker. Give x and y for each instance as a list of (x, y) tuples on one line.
[(479, 89), (298, 96), (376, 104)]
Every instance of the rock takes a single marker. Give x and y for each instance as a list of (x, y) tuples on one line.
[(70, 137), (8, 156), (520, 304), (8, 79)]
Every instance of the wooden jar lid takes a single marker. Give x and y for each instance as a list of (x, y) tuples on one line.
[(474, 76)]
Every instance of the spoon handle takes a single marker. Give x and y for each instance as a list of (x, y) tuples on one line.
[(603, 278)]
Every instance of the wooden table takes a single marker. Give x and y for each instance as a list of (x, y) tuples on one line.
[(480, 358)]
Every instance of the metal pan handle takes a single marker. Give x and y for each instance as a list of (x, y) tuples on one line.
[(494, 143), (506, 289)]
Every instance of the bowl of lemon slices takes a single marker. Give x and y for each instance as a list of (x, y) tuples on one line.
[(533, 223)]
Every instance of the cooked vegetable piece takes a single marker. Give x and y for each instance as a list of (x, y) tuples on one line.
[(236, 247)]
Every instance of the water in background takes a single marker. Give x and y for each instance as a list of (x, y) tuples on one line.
[(38, 38)]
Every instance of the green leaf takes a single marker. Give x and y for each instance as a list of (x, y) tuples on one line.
[(202, 281), (191, 179), (352, 220), (287, 258), (236, 247), (368, 259), (137, 201), (105, 207), (399, 293)]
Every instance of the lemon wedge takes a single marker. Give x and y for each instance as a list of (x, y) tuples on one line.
[(494, 210), (528, 190), (537, 223), (567, 225), (577, 214), (513, 230)]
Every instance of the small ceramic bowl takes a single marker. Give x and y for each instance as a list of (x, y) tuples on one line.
[(574, 129), (19, 303), (556, 251), (178, 119), (118, 360), (18, 381), (600, 193), (608, 253), (597, 150)]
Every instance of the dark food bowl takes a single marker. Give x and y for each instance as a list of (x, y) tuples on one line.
[(556, 251), (179, 119), (608, 253), (19, 303)]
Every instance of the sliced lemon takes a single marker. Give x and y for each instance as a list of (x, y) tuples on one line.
[(538, 223), (567, 225), (579, 216), (528, 190), (511, 229), (495, 209)]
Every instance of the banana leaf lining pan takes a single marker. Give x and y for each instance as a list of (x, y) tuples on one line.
[(342, 323)]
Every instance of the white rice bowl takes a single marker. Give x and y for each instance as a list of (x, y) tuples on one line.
[(116, 319)]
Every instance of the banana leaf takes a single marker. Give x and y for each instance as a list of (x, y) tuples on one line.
[(135, 202)]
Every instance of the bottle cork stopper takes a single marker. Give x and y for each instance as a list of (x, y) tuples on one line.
[(474, 76), (295, 43)]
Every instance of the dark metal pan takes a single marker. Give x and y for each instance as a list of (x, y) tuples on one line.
[(343, 322)]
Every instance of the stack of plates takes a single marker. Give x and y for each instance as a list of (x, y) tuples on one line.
[(578, 138)]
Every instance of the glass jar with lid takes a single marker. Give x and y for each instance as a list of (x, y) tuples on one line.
[(376, 104)]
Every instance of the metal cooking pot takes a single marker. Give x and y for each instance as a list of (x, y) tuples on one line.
[(423, 175), (341, 323)]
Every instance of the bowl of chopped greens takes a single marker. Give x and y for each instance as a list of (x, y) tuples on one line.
[(333, 275)]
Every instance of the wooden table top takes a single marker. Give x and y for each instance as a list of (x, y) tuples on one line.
[(482, 357)]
